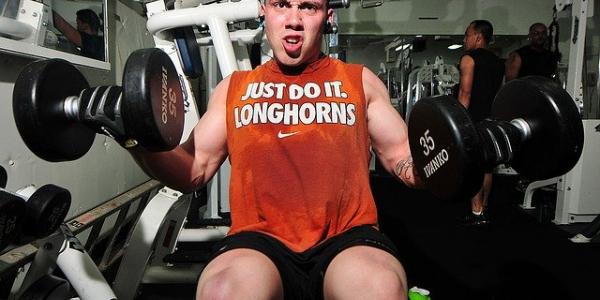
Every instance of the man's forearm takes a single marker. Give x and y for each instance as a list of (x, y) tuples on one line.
[(405, 171), (173, 168)]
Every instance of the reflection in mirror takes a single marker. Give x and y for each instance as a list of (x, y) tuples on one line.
[(79, 27), (74, 27), (416, 66)]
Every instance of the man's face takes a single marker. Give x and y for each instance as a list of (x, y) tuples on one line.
[(82, 26), (470, 39), (538, 35), (295, 29)]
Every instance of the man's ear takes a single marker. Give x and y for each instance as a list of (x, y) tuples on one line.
[(479, 37), (261, 10), (327, 27)]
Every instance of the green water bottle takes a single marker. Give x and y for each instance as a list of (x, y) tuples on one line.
[(416, 293)]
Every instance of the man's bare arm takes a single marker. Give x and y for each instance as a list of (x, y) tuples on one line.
[(67, 29), (467, 69), (388, 132), (194, 162), (512, 66)]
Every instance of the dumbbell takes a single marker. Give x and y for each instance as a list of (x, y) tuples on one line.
[(57, 113), (535, 127), (3, 177), (34, 212), (11, 213)]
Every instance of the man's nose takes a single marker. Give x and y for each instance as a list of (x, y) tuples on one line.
[(294, 16)]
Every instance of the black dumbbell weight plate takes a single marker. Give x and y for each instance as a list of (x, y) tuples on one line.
[(3, 177), (12, 209), (556, 129), (152, 104), (38, 109), (47, 209), (445, 148)]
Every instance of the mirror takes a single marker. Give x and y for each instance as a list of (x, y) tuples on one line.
[(72, 30), (370, 50), (405, 63)]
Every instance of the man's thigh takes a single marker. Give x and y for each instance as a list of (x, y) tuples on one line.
[(240, 273)]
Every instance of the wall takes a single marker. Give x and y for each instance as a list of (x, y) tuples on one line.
[(443, 17), (433, 17), (106, 170)]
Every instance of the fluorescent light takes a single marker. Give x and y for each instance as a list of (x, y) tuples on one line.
[(454, 46), (402, 47)]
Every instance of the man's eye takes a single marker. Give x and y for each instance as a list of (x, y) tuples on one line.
[(308, 7)]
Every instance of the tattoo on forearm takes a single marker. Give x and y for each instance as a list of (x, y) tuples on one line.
[(403, 168)]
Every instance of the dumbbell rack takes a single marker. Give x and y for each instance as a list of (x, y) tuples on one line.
[(105, 229)]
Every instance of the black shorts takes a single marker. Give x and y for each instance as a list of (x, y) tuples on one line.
[(302, 273)]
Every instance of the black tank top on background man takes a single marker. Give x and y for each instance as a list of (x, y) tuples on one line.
[(537, 62), (92, 46), (487, 78)]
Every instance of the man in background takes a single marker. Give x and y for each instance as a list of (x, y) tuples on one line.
[(532, 59), (481, 73), (85, 36)]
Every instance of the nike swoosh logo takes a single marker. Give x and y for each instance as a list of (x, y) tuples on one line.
[(282, 135)]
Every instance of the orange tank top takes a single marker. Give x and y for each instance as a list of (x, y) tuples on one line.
[(299, 152)]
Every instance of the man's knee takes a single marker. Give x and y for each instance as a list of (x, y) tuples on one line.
[(237, 274), (385, 283), (365, 271), (220, 285)]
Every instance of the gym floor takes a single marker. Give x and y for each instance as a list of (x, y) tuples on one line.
[(519, 255)]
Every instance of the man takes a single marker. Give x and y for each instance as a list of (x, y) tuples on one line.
[(297, 130), (481, 73), (533, 59), (85, 36)]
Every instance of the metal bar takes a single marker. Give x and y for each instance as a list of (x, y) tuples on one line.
[(92, 239), (114, 232), (89, 218)]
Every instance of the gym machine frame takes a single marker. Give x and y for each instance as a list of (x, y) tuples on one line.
[(575, 202), (142, 260)]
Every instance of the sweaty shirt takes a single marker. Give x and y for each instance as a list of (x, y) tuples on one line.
[(534, 62), (487, 78), (299, 152)]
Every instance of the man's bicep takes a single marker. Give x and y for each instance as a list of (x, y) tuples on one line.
[(208, 140), (386, 127), (66, 29), (513, 66), (467, 70)]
